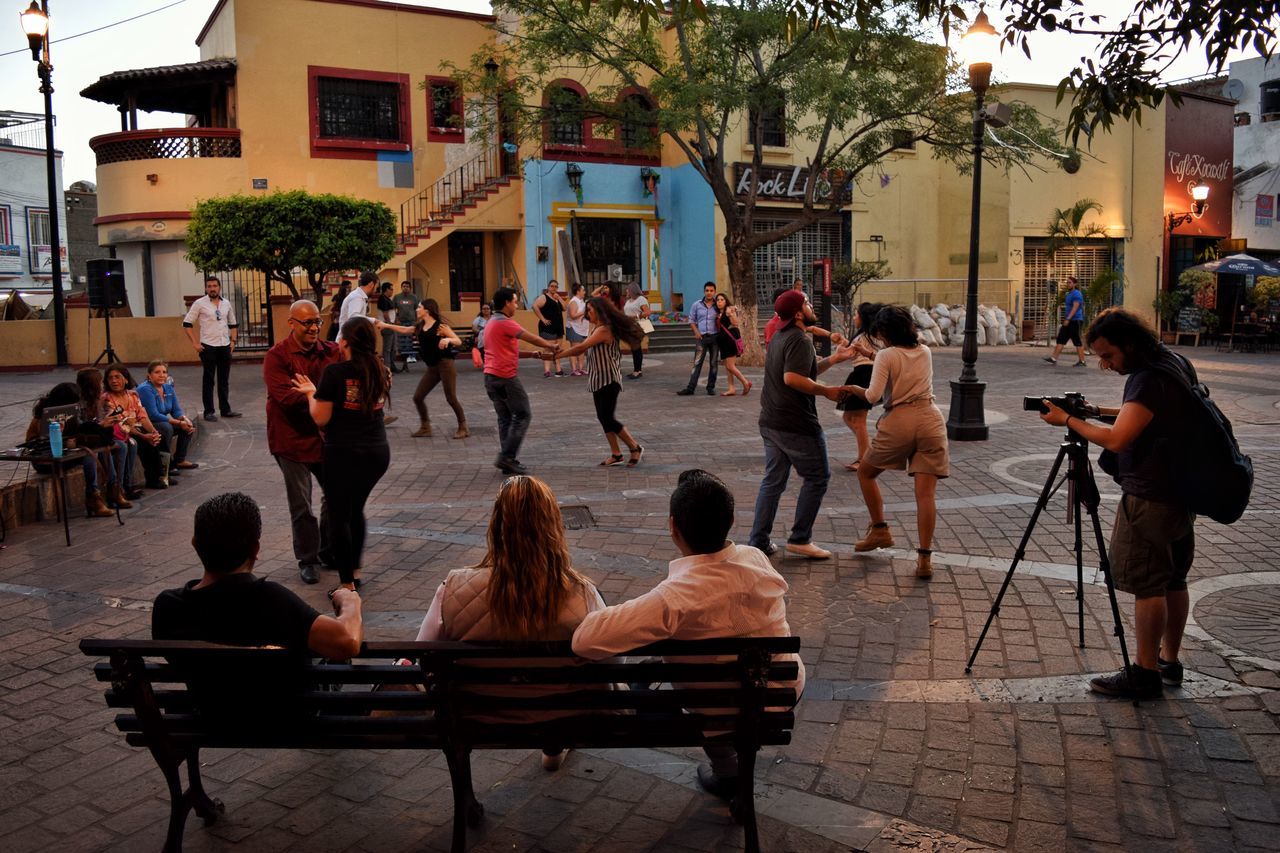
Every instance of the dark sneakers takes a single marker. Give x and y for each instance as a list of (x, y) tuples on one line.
[(684, 392), (1170, 672), (1135, 683)]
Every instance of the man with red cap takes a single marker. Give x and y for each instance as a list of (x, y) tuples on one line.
[(791, 431)]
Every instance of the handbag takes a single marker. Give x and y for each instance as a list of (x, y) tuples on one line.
[(646, 325), (476, 358)]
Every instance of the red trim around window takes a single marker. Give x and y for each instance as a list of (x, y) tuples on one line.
[(356, 149), (448, 133), (594, 150)]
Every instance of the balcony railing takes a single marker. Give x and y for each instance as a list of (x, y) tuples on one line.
[(166, 144)]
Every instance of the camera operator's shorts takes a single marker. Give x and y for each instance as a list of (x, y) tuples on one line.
[(1069, 331), (1152, 546), (911, 436)]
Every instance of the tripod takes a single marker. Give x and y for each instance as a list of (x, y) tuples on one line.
[(108, 353), (1082, 492)]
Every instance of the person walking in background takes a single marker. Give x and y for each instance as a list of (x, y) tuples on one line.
[(335, 309), (911, 434), (549, 309), (704, 322), (293, 437), (854, 408), (1072, 317), (609, 327), (387, 314), (577, 328), (502, 336), (637, 308), (347, 406), (216, 342), (437, 346), (161, 402), (791, 430), (729, 338), (478, 324)]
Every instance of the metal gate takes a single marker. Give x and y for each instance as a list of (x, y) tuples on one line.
[(247, 291), (1040, 288), (778, 264)]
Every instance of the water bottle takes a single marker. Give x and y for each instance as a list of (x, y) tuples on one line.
[(55, 438)]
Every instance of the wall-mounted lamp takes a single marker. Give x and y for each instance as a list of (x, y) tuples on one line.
[(574, 174), (491, 67), (650, 178), (1199, 204)]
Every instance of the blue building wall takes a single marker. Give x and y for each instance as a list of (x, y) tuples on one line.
[(686, 237)]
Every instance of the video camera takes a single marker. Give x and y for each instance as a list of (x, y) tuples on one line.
[(1072, 402)]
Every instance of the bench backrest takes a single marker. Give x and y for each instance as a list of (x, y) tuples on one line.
[(477, 694)]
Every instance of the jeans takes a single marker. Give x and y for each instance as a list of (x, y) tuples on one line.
[(167, 432), (707, 344), (310, 540), (216, 360), (350, 473), (126, 454), (389, 347), (511, 404), (637, 357), (783, 451)]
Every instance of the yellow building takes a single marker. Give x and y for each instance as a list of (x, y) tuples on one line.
[(290, 95)]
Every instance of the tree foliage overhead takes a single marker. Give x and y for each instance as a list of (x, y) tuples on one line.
[(1136, 43), (847, 103), (278, 233)]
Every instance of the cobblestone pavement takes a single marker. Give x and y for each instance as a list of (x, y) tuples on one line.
[(895, 748)]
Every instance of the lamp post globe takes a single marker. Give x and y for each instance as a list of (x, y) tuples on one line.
[(35, 24), (966, 421)]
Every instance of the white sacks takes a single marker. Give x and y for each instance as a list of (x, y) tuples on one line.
[(943, 325)]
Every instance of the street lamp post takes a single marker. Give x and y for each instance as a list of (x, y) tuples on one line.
[(966, 421), (35, 23)]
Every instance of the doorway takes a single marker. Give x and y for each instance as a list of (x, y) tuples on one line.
[(466, 266)]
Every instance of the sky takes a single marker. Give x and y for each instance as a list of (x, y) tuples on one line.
[(166, 36)]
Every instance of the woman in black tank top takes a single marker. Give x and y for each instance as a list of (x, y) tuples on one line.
[(437, 345), (549, 309)]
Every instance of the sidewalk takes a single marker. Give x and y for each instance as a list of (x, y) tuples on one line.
[(895, 747)]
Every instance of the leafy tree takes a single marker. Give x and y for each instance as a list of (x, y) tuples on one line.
[(847, 280), (1133, 51), (1067, 228), (853, 100), (278, 233)]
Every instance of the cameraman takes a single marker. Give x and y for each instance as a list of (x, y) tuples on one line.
[(1153, 541)]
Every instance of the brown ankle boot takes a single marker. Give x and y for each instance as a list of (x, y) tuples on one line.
[(878, 536), (423, 431), (924, 563), (462, 432), (118, 498), (95, 506)]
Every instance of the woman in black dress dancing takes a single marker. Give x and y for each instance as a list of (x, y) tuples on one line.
[(348, 408), (727, 336), (854, 408)]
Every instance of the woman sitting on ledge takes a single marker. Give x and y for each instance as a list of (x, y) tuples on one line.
[(161, 402), (121, 408), (525, 587), (67, 394)]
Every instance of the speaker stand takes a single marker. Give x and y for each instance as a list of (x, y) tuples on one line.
[(108, 353)]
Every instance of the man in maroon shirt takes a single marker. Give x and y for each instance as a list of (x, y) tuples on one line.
[(292, 436)]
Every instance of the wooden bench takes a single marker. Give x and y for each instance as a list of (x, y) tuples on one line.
[(369, 703)]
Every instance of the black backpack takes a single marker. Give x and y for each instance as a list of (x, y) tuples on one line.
[(1213, 477)]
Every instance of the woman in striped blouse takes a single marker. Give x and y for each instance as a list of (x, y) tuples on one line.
[(609, 326)]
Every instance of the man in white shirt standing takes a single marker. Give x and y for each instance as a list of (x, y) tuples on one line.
[(716, 589), (357, 302), (218, 330)]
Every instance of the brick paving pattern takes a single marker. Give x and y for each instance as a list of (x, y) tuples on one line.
[(895, 747)]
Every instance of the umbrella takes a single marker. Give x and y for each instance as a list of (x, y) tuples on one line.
[(1241, 264)]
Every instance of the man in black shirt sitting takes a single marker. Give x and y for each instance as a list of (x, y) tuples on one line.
[(229, 605)]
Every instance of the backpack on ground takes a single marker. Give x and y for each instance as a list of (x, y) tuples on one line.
[(1213, 477)]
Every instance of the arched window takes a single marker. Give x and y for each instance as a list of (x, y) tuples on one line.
[(564, 109), (637, 125)]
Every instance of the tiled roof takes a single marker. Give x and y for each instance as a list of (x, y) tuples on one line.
[(110, 88)]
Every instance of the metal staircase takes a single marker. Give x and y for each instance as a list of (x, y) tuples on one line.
[(456, 192)]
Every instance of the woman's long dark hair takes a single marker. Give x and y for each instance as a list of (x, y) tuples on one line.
[(867, 312), (62, 394), (117, 367), (623, 327), (375, 379), (893, 325), (433, 310)]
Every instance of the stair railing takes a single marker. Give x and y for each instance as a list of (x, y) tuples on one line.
[(448, 196)]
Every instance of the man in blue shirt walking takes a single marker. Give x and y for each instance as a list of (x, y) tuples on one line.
[(703, 320), (1072, 317)]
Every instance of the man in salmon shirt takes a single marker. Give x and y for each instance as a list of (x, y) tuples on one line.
[(502, 336)]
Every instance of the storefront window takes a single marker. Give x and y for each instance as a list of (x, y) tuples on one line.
[(609, 241)]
